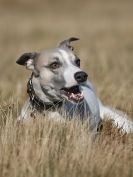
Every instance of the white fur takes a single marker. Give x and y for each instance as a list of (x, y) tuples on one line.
[(65, 55), (119, 118), (70, 70)]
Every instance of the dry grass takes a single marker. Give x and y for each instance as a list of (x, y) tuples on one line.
[(46, 148)]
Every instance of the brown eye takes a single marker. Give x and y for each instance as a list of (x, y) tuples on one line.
[(54, 65), (77, 62)]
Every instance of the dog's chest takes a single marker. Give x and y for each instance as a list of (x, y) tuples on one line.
[(80, 110), (69, 110), (55, 115)]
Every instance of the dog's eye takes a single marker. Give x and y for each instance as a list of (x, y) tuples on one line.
[(77, 62), (54, 65)]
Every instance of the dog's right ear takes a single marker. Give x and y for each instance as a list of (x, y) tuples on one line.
[(28, 60), (66, 43)]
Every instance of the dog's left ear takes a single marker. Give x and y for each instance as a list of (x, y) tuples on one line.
[(66, 43), (27, 59)]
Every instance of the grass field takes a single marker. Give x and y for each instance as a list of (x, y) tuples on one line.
[(45, 148)]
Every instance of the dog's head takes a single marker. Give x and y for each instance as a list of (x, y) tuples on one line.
[(57, 70)]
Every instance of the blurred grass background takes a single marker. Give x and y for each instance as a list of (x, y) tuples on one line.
[(105, 29)]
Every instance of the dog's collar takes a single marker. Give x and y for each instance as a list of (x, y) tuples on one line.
[(36, 102)]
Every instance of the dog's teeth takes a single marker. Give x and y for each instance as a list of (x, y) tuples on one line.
[(82, 94), (73, 95)]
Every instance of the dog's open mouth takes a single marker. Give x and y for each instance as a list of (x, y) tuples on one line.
[(72, 94)]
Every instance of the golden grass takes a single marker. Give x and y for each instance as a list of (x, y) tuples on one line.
[(43, 147)]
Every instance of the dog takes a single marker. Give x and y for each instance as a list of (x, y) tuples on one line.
[(58, 86)]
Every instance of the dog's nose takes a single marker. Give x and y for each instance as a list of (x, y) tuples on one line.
[(80, 76)]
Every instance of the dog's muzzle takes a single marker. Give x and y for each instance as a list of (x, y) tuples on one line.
[(74, 94), (80, 76)]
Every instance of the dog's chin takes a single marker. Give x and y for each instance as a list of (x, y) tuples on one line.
[(72, 94)]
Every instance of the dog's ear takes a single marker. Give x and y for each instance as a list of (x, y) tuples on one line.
[(66, 43), (27, 59)]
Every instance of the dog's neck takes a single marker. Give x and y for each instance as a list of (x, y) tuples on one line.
[(38, 98), (38, 90)]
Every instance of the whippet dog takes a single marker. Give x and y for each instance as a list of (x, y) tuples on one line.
[(60, 87)]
